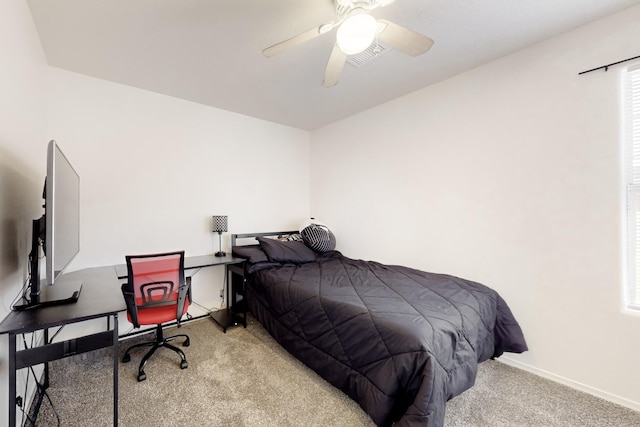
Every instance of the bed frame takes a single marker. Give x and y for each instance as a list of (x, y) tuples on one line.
[(235, 237)]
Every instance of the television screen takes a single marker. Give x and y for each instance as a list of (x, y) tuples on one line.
[(58, 233), (62, 213)]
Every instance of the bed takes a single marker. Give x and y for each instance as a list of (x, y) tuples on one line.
[(399, 341)]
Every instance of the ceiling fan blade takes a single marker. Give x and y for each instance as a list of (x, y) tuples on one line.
[(334, 67), (403, 39), (299, 39)]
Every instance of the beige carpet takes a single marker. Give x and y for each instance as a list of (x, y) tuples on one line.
[(243, 378)]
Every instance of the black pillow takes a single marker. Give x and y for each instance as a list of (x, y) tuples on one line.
[(318, 237), (286, 251), (253, 253)]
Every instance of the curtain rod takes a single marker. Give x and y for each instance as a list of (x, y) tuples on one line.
[(606, 67)]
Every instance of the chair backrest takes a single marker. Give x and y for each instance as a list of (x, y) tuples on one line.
[(155, 280)]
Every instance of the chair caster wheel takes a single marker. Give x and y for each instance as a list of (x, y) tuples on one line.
[(186, 343), (126, 358), (142, 376), (183, 364)]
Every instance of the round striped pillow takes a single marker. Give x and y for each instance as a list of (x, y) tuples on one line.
[(318, 237)]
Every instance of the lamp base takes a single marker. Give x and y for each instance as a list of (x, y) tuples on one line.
[(220, 254)]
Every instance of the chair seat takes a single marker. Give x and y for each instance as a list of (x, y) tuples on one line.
[(156, 315)]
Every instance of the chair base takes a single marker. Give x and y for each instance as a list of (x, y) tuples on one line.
[(160, 341)]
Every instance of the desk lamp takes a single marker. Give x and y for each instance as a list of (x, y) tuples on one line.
[(219, 226)]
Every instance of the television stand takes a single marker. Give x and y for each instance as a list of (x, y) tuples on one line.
[(61, 293)]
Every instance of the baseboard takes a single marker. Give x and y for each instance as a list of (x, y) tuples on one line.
[(570, 383)]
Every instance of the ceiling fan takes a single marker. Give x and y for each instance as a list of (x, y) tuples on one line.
[(357, 30)]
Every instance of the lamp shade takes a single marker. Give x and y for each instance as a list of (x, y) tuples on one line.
[(356, 33), (219, 223)]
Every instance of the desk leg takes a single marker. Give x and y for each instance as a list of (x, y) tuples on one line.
[(227, 284), (227, 317), (115, 370), (12, 380)]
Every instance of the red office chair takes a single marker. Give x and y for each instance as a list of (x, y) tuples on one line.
[(156, 292)]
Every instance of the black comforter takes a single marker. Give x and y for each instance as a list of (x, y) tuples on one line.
[(399, 341)]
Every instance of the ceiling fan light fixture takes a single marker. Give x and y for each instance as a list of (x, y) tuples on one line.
[(356, 33)]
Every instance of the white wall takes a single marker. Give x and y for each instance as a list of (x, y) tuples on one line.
[(510, 175), (22, 165), (154, 169)]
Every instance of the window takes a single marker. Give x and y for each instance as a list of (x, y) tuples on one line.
[(632, 155)]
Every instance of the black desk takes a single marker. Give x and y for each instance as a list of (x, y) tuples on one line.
[(191, 263), (100, 297)]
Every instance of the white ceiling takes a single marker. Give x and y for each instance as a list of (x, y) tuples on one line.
[(210, 51)]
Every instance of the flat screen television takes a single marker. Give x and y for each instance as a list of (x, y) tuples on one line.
[(58, 233)]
